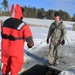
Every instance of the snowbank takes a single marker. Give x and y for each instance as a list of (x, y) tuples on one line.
[(67, 73)]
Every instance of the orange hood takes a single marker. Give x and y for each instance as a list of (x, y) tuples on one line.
[(16, 11)]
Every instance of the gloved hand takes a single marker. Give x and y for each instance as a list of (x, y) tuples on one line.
[(29, 46), (47, 41), (63, 42)]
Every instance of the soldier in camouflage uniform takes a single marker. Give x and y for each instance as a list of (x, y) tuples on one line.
[(56, 34)]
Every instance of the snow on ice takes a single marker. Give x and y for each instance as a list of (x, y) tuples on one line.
[(40, 34), (66, 73)]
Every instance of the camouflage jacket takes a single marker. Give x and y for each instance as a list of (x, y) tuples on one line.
[(57, 32)]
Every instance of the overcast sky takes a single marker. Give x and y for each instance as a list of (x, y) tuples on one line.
[(65, 5)]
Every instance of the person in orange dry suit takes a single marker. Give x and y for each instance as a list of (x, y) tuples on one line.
[(14, 33)]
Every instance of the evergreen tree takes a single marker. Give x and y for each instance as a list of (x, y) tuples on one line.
[(50, 14), (35, 12), (73, 18), (41, 13)]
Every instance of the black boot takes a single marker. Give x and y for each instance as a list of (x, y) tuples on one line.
[(55, 64), (50, 64)]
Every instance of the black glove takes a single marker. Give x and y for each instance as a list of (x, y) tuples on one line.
[(63, 42), (47, 41), (29, 46)]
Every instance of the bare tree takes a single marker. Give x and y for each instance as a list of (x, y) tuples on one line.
[(5, 5)]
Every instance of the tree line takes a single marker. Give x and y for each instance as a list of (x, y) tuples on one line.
[(32, 12)]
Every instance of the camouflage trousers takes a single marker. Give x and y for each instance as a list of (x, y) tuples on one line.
[(54, 54)]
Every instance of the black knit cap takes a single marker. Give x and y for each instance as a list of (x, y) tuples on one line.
[(56, 14), (22, 9)]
